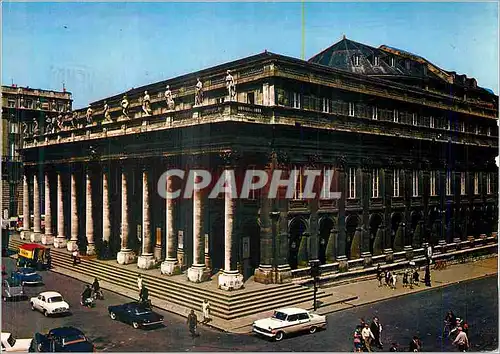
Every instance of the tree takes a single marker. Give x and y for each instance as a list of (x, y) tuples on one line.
[(302, 255), (378, 243), (330, 247), (399, 239), (356, 244)]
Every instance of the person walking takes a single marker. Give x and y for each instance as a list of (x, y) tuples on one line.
[(461, 341), (380, 275), (358, 343), (144, 295), (76, 258), (206, 311), (427, 276), (367, 336), (49, 261), (192, 322), (405, 278), (416, 277), (388, 277), (415, 345), (376, 329), (139, 283)]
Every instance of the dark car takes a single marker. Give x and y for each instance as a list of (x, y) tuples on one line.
[(62, 339), (136, 314), (12, 289), (27, 276)]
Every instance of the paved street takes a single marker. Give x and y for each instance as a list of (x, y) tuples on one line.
[(420, 313)]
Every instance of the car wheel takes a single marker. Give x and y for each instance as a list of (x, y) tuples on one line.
[(313, 329), (45, 313), (112, 315), (135, 325), (279, 336)]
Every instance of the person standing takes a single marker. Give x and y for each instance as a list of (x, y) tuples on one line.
[(394, 279), (206, 311), (427, 276), (74, 254), (380, 275), (367, 336), (415, 345), (49, 261), (405, 278), (461, 341), (192, 322), (376, 329)]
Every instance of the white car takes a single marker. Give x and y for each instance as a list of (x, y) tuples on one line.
[(49, 303), (11, 344), (289, 320)]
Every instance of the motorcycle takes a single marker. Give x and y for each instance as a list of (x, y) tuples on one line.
[(98, 295), (454, 330), (88, 302)]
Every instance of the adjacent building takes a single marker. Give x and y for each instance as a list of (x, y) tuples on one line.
[(412, 147)]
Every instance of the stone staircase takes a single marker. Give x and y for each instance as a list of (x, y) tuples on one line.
[(256, 298)]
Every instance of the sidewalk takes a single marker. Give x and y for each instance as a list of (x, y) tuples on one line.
[(368, 291)]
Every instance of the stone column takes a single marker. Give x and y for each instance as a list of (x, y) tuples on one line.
[(72, 243), (230, 279), (26, 232), (442, 200), (198, 272), (60, 240), (48, 237), (313, 229), (171, 265), (37, 226), (146, 259), (126, 255), (387, 194), (89, 217), (366, 179), (106, 220), (342, 235)]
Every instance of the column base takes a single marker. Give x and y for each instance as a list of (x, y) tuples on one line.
[(170, 267), (36, 237), (25, 234), (389, 255), (471, 240), (60, 242), (283, 274), (71, 245), (408, 253), (125, 256), (91, 249), (231, 280), (47, 239), (146, 261), (198, 273), (343, 264), (441, 246), (367, 259), (264, 274)]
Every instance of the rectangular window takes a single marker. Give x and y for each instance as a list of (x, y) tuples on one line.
[(395, 183), (375, 184), (414, 119), (14, 128), (351, 109), (11, 104), (395, 116), (250, 97), (374, 113), (219, 100), (415, 183), (29, 103), (476, 183), (432, 184), (488, 131), (296, 100), (352, 183), (356, 60), (376, 61), (448, 124), (393, 62), (327, 176), (488, 183), (432, 122), (476, 129), (408, 65), (448, 183), (462, 127), (462, 183), (298, 184), (326, 105)]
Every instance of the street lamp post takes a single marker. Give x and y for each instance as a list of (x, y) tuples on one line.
[(314, 264)]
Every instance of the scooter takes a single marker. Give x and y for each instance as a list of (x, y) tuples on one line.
[(88, 302), (98, 295)]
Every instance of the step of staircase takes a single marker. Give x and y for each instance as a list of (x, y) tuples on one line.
[(224, 305)]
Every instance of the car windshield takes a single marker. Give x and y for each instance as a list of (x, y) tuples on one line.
[(76, 338), (279, 315), (55, 299), (11, 340), (13, 282), (28, 271), (142, 311)]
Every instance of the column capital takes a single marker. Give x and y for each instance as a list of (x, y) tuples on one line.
[(341, 162), (314, 160)]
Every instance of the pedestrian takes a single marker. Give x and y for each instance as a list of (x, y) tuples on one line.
[(461, 341), (405, 278), (380, 275), (192, 322), (49, 261), (367, 336), (394, 279), (76, 258), (415, 345), (376, 329), (416, 277), (139, 283), (206, 311), (427, 276), (394, 347), (144, 295), (358, 344), (388, 277)]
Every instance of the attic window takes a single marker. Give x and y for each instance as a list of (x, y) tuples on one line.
[(408, 65), (356, 60), (376, 61), (393, 62), (424, 69)]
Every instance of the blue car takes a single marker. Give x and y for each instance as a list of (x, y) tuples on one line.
[(136, 314), (27, 276), (62, 339)]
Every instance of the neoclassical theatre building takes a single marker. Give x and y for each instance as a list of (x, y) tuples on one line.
[(412, 147)]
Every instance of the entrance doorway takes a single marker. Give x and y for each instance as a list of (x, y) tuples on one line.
[(297, 229)]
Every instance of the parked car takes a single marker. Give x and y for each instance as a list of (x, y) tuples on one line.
[(12, 289), (136, 314), (49, 303), (11, 344), (62, 339), (289, 320), (27, 276)]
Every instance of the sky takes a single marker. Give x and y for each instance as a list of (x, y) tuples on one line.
[(102, 49)]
